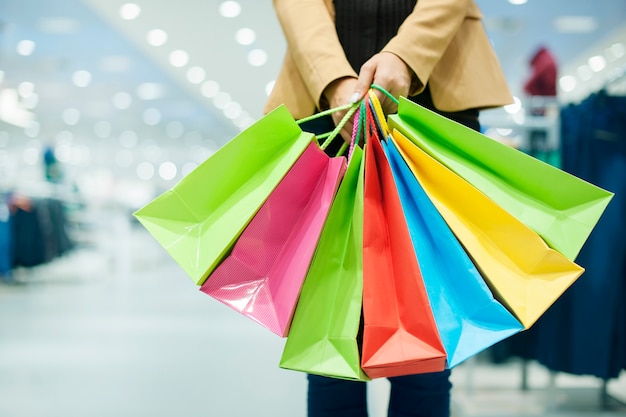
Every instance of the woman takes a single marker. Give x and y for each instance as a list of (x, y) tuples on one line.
[(436, 53)]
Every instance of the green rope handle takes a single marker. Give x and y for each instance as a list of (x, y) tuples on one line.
[(324, 113), (387, 93), (352, 108), (329, 136)]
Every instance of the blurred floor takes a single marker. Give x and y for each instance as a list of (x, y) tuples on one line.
[(117, 329)]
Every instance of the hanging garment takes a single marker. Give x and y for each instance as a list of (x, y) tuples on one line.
[(584, 332), (5, 239)]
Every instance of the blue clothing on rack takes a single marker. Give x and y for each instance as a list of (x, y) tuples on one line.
[(584, 332), (6, 255)]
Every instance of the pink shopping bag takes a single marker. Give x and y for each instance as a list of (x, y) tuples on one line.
[(264, 273)]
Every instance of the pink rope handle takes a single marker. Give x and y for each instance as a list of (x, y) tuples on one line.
[(355, 130)]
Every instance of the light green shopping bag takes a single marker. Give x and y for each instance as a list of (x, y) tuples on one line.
[(561, 208), (323, 339), (199, 219)]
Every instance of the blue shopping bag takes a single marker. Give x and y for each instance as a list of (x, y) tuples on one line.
[(469, 319)]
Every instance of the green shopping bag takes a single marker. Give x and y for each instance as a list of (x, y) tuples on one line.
[(561, 208), (324, 333), (199, 219)]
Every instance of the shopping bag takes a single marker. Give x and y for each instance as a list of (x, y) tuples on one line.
[(400, 336), (198, 220), (325, 330), (263, 275), (560, 207), (469, 319), (524, 273)]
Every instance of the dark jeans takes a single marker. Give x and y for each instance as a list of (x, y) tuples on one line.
[(423, 395)]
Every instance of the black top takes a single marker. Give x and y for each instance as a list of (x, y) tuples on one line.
[(364, 27)]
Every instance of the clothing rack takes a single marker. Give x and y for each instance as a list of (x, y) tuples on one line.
[(606, 400)]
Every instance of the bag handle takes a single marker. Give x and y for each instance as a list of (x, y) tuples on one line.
[(360, 120), (330, 136), (377, 114), (385, 92)]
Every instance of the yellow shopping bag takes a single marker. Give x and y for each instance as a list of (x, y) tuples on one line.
[(524, 273)]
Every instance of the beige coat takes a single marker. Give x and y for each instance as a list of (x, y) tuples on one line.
[(442, 41)]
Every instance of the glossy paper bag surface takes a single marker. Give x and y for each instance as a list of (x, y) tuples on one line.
[(198, 220), (468, 317), (523, 272), (263, 275), (324, 334), (400, 336), (560, 207)]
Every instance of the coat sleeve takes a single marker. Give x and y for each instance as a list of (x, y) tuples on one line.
[(426, 33), (312, 44)]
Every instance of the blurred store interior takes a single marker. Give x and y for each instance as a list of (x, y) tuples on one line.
[(105, 104)]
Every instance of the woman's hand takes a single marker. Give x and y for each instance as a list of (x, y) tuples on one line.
[(388, 71)]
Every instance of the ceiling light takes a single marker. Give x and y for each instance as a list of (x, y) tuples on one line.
[(518, 2), (122, 100), (245, 36), (102, 129), (128, 139), (244, 121), (257, 57), (157, 37), (196, 75), (32, 129), (575, 24), (150, 91), (504, 131), (25, 47), (174, 129), (129, 11), (151, 116), (63, 151), (11, 110), (210, 88), (221, 100), (567, 83), (30, 101), (151, 151), (71, 116), (230, 9), (188, 167), (31, 156), (179, 58), (232, 110), (515, 107), (269, 87), (615, 51), (597, 63), (25, 88), (64, 136), (145, 171), (167, 170), (81, 78)]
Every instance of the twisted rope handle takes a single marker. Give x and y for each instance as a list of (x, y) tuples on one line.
[(385, 92), (360, 121), (331, 135)]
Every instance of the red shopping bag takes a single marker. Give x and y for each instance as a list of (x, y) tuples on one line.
[(263, 275), (400, 336)]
